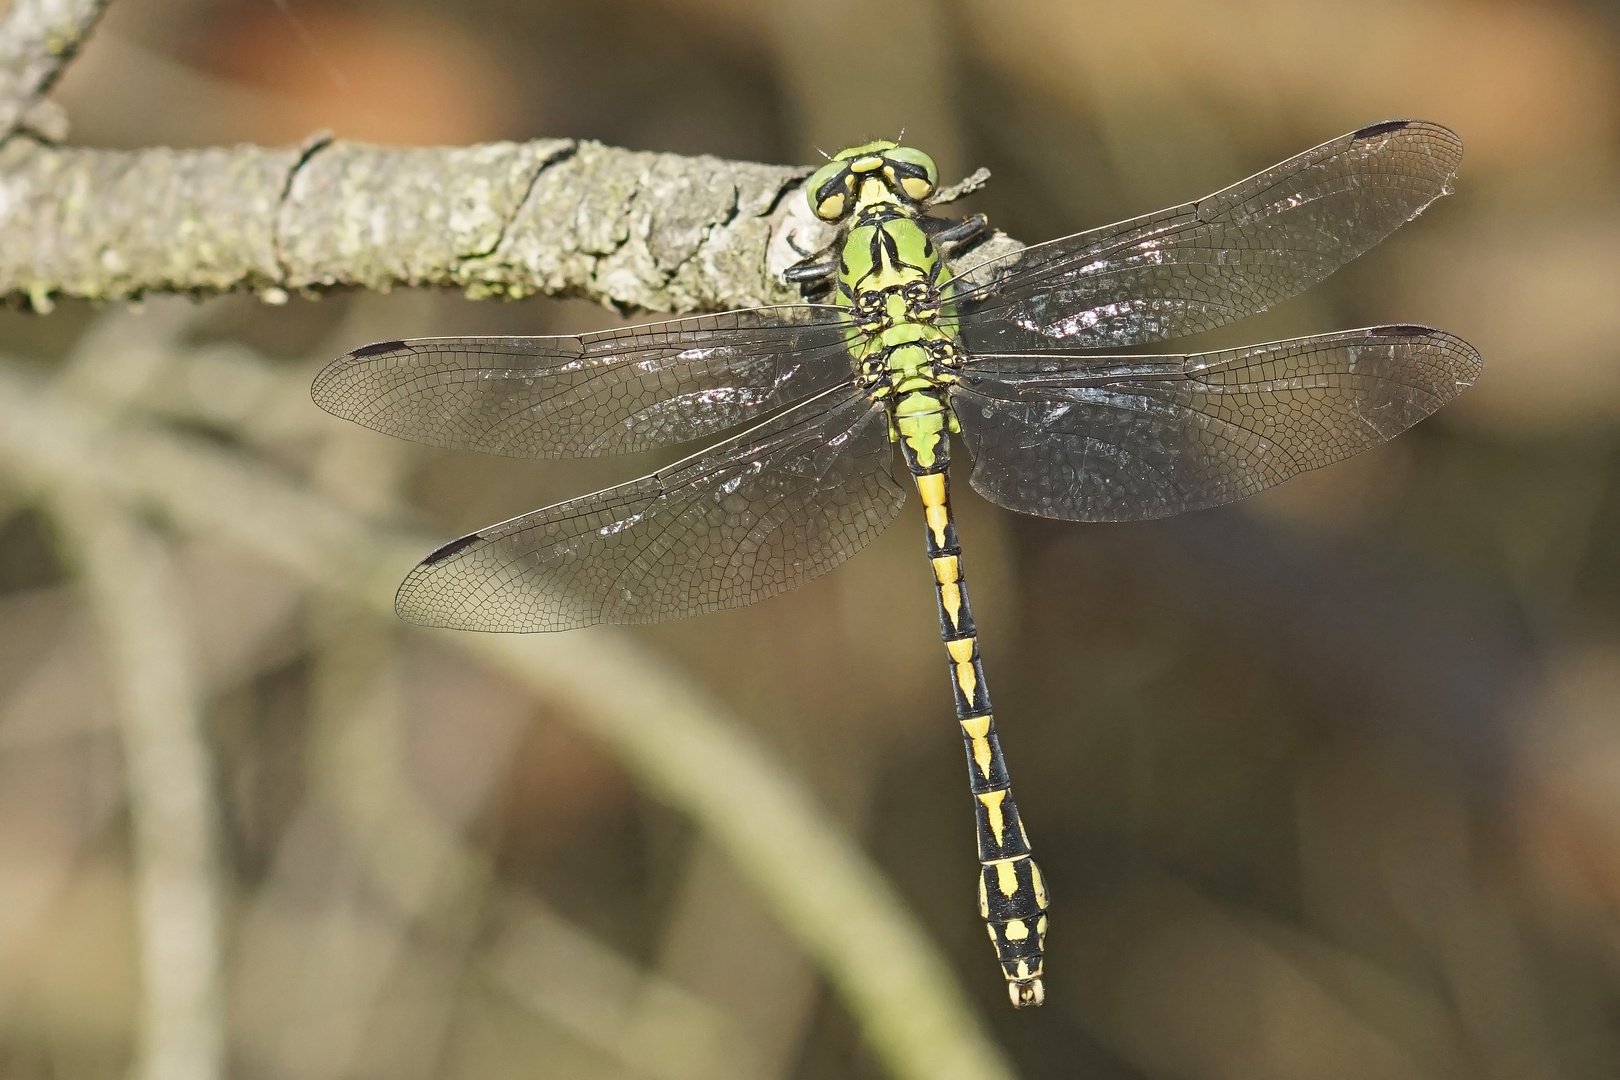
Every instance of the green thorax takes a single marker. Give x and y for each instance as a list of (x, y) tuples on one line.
[(885, 248), (890, 276)]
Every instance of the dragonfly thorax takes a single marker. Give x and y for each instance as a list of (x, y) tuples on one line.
[(908, 368), (907, 357), (883, 251), (891, 279), (877, 310)]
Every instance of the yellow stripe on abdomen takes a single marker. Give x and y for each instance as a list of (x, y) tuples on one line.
[(977, 729), (931, 487), (992, 807), (961, 651), (948, 576)]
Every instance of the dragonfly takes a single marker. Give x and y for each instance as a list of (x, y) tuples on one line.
[(894, 350)]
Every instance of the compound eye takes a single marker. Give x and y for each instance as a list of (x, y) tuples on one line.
[(910, 173), (828, 190)]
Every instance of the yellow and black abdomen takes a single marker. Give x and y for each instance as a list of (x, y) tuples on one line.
[(1012, 893)]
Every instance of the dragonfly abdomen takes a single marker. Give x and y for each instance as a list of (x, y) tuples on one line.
[(1012, 893)]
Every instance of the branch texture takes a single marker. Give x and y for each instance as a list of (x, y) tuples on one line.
[(657, 232), (37, 40)]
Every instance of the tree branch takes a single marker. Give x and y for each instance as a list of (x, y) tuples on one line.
[(638, 230), (656, 232), (37, 40)]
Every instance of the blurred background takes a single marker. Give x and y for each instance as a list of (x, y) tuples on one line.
[(1326, 784)]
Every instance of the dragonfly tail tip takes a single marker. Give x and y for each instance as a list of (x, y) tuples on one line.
[(1026, 992)]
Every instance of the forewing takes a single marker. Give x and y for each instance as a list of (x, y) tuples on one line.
[(613, 392), (1122, 438), (1237, 252), (759, 514)]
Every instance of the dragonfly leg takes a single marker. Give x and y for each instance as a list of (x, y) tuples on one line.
[(817, 272), (945, 368), (1012, 893), (875, 380), (966, 229)]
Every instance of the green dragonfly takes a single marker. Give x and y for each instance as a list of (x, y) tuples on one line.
[(903, 352)]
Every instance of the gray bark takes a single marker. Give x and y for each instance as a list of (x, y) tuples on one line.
[(657, 232), (37, 40), (635, 230)]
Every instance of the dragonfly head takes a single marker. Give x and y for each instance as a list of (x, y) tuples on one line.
[(879, 171)]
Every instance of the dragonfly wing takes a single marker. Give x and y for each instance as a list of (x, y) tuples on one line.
[(1122, 438), (1237, 252), (759, 514), (613, 392)]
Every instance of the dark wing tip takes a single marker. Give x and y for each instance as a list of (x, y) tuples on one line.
[(419, 599), (377, 347), (1440, 140), (1464, 360), (439, 593), (327, 389), (440, 554), (1373, 131)]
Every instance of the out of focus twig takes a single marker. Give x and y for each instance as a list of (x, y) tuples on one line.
[(37, 39), (685, 748), (642, 1020), (442, 886), (170, 780)]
